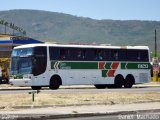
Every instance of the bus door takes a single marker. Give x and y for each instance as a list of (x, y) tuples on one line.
[(40, 65)]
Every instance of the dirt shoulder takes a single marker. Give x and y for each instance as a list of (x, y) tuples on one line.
[(15, 101)]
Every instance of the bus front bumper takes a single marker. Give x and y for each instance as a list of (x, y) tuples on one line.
[(20, 82)]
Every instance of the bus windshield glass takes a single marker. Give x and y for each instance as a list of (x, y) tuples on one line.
[(29, 60), (21, 65), (22, 60), (22, 52)]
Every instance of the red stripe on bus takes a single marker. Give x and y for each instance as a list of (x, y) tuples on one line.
[(111, 73), (115, 65), (102, 65)]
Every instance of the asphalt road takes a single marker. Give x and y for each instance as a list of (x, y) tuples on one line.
[(80, 90)]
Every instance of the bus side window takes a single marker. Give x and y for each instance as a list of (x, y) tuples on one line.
[(73, 54), (84, 54), (96, 56), (54, 53), (65, 54), (62, 54), (68, 54), (108, 55), (132, 55), (122, 55), (138, 56), (90, 55), (115, 55), (99, 55), (80, 54), (144, 55)]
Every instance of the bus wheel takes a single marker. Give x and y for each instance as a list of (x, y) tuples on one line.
[(55, 82), (36, 87), (118, 82), (100, 86), (129, 81)]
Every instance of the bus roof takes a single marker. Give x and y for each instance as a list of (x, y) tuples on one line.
[(83, 46)]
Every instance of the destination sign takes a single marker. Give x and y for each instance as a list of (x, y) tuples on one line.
[(13, 26)]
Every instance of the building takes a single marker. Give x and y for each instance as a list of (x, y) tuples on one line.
[(7, 43)]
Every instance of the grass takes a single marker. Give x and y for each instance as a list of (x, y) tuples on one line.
[(12, 100)]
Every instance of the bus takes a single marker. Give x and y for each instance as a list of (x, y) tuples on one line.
[(53, 65)]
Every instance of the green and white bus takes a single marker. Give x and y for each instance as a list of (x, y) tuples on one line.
[(52, 65)]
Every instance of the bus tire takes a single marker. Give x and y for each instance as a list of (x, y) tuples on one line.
[(100, 86), (129, 81), (55, 82), (118, 82), (36, 87)]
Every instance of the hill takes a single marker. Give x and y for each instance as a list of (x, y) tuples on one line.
[(59, 27)]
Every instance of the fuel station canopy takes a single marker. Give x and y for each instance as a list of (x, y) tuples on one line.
[(8, 42)]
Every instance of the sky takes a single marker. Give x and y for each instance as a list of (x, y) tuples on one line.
[(96, 9)]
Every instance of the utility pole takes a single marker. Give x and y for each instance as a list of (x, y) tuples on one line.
[(155, 62), (5, 31), (155, 46)]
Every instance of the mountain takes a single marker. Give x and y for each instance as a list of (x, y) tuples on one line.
[(60, 27)]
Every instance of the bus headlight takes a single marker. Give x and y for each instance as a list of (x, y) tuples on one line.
[(13, 77)]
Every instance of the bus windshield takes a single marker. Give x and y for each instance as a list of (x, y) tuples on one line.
[(22, 61), (29, 61), (21, 65), (22, 52)]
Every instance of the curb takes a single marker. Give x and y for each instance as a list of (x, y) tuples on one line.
[(74, 115), (70, 105)]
